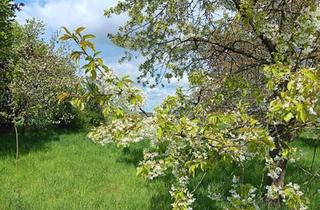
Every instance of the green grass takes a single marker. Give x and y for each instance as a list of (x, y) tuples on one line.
[(65, 170)]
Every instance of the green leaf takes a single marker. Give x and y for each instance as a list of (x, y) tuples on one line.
[(81, 105), (119, 112), (140, 171), (310, 75), (66, 30), (93, 74), (203, 166), (62, 96), (99, 61), (126, 79), (89, 36), (133, 101), (65, 37), (75, 56), (80, 29), (302, 115), (192, 169), (83, 44), (290, 85), (159, 133), (91, 45), (97, 53), (106, 111), (19, 122), (288, 117), (92, 66)]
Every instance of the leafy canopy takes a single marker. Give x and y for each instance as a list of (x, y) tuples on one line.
[(254, 83)]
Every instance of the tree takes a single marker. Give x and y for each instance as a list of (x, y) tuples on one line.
[(39, 71), (253, 69), (233, 40)]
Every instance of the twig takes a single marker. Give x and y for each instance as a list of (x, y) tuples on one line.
[(199, 182), (313, 158)]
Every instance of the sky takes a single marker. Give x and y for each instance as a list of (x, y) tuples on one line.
[(89, 13)]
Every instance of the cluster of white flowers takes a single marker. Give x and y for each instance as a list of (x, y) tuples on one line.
[(274, 174), (290, 194), (309, 23), (124, 131), (273, 192), (215, 196), (183, 181), (185, 145), (242, 195), (273, 170), (295, 187), (240, 143), (120, 94), (271, 30), (302, 39), (152, 166), (184, 199)]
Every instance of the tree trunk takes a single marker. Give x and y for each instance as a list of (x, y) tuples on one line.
[(278, 182), (17, 143), (282, 137), (314, 156)]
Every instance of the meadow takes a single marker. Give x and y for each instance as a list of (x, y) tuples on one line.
[(61, 169), (64, 170)]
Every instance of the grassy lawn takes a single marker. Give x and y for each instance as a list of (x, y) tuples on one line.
[(67, 171), (64, 170)]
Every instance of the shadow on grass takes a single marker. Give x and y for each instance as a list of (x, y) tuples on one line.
[(28, 142), (133, 154), (161, 200), (217, 180), (309, 142)]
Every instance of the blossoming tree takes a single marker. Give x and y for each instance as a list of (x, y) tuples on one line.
[(36, 73), (254, 84)]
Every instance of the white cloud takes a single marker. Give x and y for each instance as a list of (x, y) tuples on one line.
[(72, 14), (126, 68)]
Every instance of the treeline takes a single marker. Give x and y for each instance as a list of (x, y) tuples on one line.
[(33, 72)]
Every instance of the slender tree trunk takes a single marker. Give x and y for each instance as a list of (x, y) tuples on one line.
[(17, 143), (314, 156)]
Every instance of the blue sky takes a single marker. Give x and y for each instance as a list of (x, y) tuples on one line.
[(89, 13)]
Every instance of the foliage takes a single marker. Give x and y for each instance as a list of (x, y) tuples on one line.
[(254, 85), (39, 71), (84, 119), (114, 96), (7, 14)]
